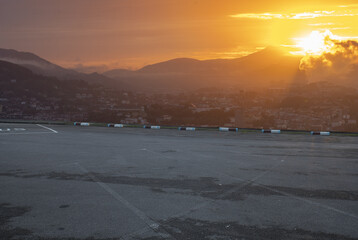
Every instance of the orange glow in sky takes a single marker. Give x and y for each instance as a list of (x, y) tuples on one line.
[(316, 43), (130, 34)]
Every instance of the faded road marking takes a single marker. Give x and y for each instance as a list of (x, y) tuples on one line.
[(23, 133), (47, 128), (147, 220)]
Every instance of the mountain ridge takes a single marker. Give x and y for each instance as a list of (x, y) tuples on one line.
[(187, 73), (44, 67), (266, 68)]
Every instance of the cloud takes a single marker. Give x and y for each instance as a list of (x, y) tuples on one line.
[(338, 28), (349, 6), (320, 24), (339, 64), (304, 15), (264, 16)]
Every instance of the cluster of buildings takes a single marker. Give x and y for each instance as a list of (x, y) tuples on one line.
[(303, 109)]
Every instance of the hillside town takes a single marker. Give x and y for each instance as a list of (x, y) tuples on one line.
[(318, 106)]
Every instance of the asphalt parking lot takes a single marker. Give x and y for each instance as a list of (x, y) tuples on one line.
[(72, 182)]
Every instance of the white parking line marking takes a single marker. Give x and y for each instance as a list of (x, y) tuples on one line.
[(309, 201), (47, 128), (24, 133), (146, 219)]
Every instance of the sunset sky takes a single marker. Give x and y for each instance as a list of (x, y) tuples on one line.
[(133, 33)]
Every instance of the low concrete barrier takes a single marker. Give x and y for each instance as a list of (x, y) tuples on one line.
[(222, 129), (320, 133), (271, 131), (151, 127), (186, 128), (226, 129), (115, 125), (84, 124)]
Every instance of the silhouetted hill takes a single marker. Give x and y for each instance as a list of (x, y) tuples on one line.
[(10, 71), (18, 81), (43, 67), (177, 65), (267, 68)]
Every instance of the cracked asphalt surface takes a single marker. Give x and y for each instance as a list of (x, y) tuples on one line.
[(107, 183)]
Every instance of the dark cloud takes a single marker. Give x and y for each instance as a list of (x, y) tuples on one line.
[(339, 65)]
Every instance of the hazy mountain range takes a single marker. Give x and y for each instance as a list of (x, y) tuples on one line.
[(268, 68), (43, 67)]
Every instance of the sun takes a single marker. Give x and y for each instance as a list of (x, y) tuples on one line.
[(316, 43), (313, 44)]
